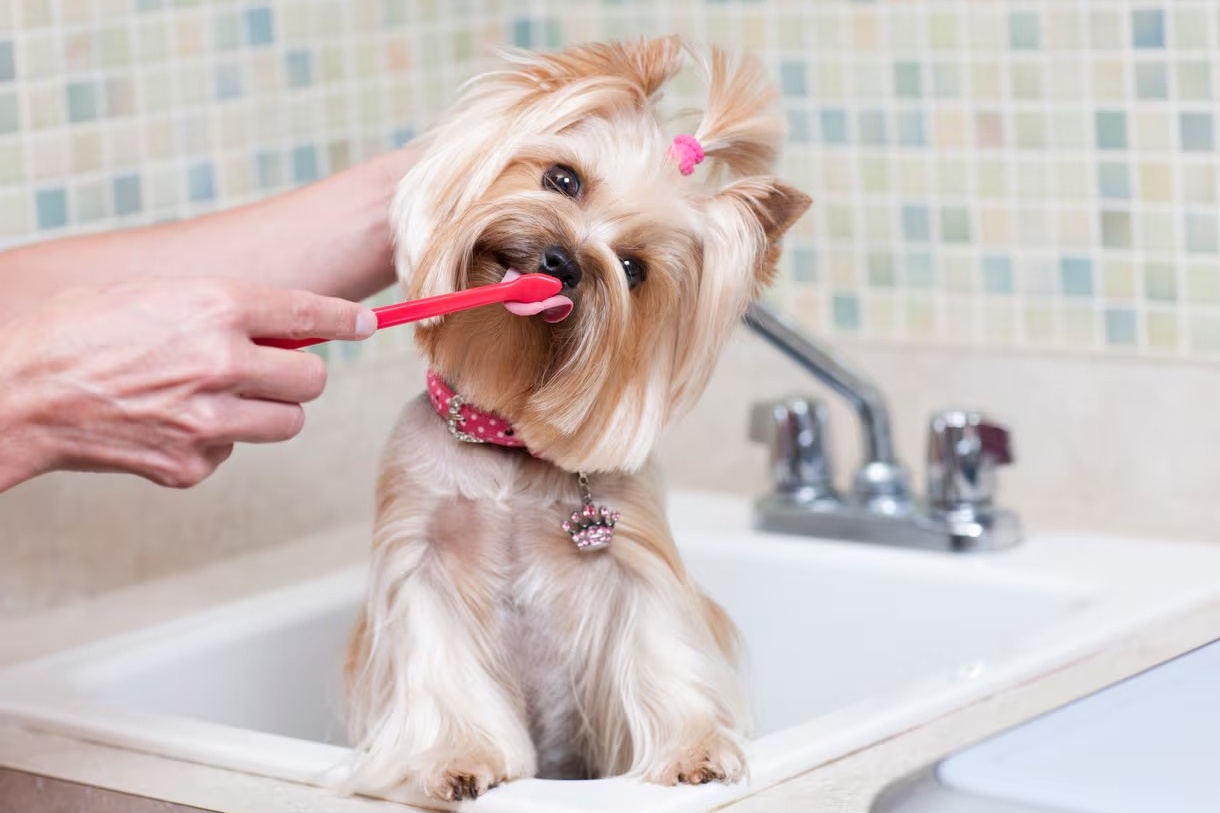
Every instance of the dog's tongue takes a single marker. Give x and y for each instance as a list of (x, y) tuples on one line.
[(553, 309)]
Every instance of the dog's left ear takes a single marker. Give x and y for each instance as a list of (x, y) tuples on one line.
[(771, 206), (644, 65)]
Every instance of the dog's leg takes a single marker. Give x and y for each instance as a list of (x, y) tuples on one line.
[(652, 661), (434, 701)]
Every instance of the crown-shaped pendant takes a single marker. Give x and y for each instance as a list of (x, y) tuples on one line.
[(591, 526)]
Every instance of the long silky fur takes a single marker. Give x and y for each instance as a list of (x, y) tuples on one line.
[(490, 648)]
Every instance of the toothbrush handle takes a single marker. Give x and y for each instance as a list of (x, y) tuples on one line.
[(525, 288)]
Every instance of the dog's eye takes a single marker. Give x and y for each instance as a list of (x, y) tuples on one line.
[(634, 270), (562, 179)]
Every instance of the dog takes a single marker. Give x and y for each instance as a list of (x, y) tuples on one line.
[(528, 613)]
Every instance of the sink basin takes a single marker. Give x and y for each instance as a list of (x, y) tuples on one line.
[(848, 644)]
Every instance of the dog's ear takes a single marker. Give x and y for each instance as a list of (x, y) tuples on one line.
[(772, 206), (644, 64)]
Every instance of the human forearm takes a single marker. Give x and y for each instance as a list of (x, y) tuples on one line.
[(331, 237)]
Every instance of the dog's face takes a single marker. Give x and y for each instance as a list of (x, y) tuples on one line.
[(558, 164)]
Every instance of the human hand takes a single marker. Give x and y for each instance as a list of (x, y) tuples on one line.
[(160, 378)]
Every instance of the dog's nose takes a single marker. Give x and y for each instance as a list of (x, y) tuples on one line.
[(558, 263)]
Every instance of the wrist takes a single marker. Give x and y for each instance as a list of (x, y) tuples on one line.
[(25, 452)]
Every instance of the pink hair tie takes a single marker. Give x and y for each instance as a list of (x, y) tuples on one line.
[(687, 151)]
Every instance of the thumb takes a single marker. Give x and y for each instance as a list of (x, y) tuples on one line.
[(303, 315)]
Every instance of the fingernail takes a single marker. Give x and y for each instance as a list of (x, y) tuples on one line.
[(366, 323)]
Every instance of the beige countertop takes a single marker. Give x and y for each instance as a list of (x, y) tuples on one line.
[(847, 784)]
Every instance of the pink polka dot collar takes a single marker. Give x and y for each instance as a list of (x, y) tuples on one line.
[(467, 422)]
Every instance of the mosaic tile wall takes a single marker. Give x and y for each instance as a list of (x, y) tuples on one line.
[(1008, 174)]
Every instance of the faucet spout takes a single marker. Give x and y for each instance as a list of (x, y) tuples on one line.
[(832, 370), (881, 482)]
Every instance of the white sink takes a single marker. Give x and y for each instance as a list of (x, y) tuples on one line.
[(848, 644)]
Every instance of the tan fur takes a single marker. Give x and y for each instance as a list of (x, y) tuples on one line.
[(490, 648)]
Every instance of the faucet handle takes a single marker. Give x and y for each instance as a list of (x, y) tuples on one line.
[(964, 449), (794, 430)]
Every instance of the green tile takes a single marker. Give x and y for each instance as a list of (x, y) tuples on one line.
[(845, 310), (946, 81), (943, 31), (1162, 330), (1203, 284), (1031, 130), (12, 164), (1190, 29), (1023, 31), (10, 117), (881, 269), (1203, 332), (1151, 80), (907, 81), (1116, 229), (1201, 235), (1027, 80), (116, 50), (82, 101), (1118, 281), (1111, 129), (226, 31), (1160, 282), (1194, 80), (955, 225)]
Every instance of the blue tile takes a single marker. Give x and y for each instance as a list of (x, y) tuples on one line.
[(8, 71), (919, 271), (1023, 31), (522, 34), (81, 101), (260, 28), (1148, 28), (1197, 132), (1114, 181), (228, 82), (1201, 235), (834, 127), (52, 208), (299, 66), (907, 81), (792, 77), (881, 269), (304, 164), (1151, 80), (1120, 327), (955, 225), (268, 169), (997, 275), (916, 225), (799, 131), (846, 311), (201, 182), (1076, 276), (805, 264), (401, 137), (910, 129), (128, 198), (1111, 129), (872, 127)]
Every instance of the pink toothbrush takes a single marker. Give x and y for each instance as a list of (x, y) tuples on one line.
[(524, 288)]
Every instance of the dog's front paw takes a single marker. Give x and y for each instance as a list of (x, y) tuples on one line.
[(718, 758), (458, 779)]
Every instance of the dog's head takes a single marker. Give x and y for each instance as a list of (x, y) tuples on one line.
[(558, 163)]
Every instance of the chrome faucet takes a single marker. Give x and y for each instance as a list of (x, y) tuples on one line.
[(964, 449)]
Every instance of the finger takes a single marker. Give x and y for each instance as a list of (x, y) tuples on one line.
[(281, 314), (253, 420), (278, 376), (218, 454)]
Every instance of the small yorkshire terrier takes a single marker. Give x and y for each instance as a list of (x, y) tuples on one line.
[(528, 614)]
